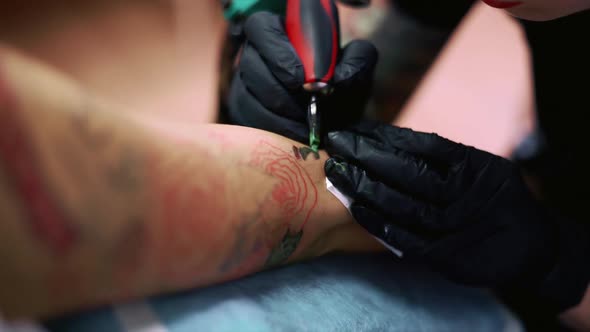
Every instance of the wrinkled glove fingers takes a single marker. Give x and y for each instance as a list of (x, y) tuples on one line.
[(241, 100), (269, 91), (406, 211), (426, 145), (356, 65), (266, 33), (395, 167)]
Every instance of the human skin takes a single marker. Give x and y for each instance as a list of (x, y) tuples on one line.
[(98, 206), (152, 56), (578, 317)]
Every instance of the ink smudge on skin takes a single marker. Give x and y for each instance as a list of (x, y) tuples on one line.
[(175, 236)]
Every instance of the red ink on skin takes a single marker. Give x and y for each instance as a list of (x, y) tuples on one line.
[(295, 194), (193, 215), (187, 213), (19, 160)]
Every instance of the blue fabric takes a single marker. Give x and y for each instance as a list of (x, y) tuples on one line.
[(102, 320), (337, 293)]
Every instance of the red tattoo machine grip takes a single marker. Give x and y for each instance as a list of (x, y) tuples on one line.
[(313, 29)]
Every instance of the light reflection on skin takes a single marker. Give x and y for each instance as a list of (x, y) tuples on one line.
[(544, 10)]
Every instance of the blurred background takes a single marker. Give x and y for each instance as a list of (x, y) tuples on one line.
[(148, 55)]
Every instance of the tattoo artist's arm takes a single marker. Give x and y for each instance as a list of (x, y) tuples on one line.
[(409, 41), (97, 207)]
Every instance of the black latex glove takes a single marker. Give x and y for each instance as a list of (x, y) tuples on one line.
[(465, 212), (267, 91)]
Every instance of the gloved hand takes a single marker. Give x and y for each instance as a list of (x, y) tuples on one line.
[(267, 91), (465, 212)]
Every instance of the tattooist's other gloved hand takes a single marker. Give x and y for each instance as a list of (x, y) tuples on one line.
[(465, 212), (267, 91)]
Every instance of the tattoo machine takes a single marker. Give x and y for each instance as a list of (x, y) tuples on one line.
[(313, 27)]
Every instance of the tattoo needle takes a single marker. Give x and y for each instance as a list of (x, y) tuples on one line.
[(314, 125), (313, 29)]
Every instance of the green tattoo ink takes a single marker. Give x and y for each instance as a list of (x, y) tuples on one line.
[(314, 141), (313, 120), (340, 166), (283, 250)]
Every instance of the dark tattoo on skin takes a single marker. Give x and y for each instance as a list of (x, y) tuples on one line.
[(304, 152), (118, 166), (240, 248), (284, 249), (122, 175)]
